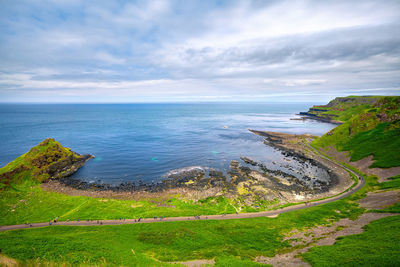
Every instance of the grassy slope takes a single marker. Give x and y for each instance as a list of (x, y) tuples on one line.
[(379, 245), (345, 110), (368, 130), (33, 165), (32, 204), (231, 242)]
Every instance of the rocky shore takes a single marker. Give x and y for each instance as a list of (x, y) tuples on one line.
[(248, 182), (312, 116)]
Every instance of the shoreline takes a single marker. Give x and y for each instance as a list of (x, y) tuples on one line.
[(195, 186), (267, 213), (310, 116)]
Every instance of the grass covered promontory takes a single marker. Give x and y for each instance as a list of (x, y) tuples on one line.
[(371, 128), (47, 160)]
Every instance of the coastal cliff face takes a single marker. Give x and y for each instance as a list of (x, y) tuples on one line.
[(47, 160), (341, 109), (371, 128)]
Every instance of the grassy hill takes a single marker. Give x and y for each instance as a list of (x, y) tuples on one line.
[(371, 126), (47, 160)]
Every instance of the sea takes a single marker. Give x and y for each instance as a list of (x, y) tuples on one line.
[(146, 142)]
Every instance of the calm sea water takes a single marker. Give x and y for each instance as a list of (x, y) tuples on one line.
[(145, 141)]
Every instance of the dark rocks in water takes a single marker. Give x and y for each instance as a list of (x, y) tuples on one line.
[(244, 169), (234, 165), (252, 181), (215, 173), (69, 166), (249, 161)]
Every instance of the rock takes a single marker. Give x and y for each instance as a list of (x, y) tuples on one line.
[(48, 160), (249, 161)]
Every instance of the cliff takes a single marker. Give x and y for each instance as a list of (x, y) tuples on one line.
[(371, 127), (47, 160), (341, 109)]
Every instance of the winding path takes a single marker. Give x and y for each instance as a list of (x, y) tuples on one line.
[(272, 213)]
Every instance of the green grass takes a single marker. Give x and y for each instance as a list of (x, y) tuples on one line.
[(379, 245), (369, 131), (229, 242), (344, 112), (35, 165), (382, 143), (394, 183), (31, 204)]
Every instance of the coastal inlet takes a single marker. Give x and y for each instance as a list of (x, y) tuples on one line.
[(297, 178)]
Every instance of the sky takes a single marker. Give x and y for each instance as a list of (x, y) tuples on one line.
[(183, 51)]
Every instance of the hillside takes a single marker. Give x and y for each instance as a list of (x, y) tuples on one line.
[(341, 109), (371, 127), (47, 160)]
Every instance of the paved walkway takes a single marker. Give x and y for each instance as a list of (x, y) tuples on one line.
[(271, 213)]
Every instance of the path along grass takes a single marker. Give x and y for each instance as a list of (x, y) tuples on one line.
[(226, 241), (29, 203)]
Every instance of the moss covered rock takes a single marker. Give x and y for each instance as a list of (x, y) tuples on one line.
[(47, 160)]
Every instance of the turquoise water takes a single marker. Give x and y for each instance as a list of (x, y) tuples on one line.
[(134, 142)]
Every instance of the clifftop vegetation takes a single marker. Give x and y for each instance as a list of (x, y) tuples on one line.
[(47, 160), (371, 127)]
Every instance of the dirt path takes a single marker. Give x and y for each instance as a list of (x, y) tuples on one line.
[(327, 235), (380, 200), (196, 263), (272, 213), (320, 236)]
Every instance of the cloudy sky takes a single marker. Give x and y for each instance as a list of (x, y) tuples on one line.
[(177, 51)]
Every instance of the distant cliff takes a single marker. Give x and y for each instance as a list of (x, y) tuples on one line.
[(371, 127), (341, 109), (47, 160)]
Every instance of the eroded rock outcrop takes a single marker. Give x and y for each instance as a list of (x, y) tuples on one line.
[(47, 160)]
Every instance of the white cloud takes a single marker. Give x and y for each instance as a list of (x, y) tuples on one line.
[(193, 50)]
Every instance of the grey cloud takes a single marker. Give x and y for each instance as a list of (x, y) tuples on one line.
[(105, 42), (344, 45)]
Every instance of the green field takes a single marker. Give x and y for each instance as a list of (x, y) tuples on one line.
[(31, 204), (227, 240), (378, 246)]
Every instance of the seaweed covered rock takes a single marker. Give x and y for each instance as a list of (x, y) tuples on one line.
[(47, 160)]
